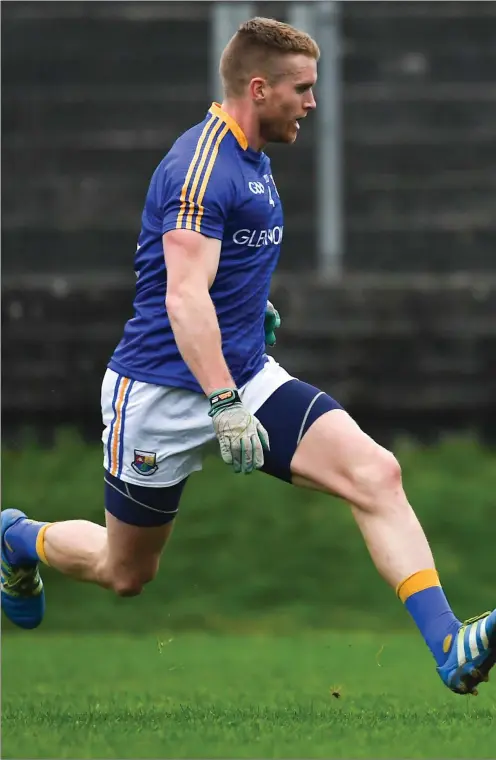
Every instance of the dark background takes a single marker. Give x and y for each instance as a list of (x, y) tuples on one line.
[(94, 94)]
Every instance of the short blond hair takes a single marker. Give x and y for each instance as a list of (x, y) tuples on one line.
[(256, 48)]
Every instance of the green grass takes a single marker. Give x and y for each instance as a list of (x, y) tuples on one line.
[(200, 695)]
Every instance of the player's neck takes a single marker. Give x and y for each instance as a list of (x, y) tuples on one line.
[(246, 121)]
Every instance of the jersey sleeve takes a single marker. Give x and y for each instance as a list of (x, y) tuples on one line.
[(198, 189)]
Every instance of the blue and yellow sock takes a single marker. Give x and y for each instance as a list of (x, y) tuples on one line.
[(24, 542), (424, 598)]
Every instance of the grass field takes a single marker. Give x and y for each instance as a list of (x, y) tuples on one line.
[(108, 696)]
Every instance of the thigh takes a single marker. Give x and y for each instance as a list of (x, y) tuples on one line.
[(336, 456), (135, 546), (139, 522), (287, 415)]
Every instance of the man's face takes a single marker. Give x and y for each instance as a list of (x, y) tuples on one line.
[(288, 100)]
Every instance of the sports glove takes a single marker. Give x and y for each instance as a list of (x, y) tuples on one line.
[(241, 437), (272, 322)]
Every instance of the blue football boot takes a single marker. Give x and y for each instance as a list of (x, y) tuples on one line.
[(23, 597), (472, 655)]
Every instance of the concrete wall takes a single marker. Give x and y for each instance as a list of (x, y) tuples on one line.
[(95, 93)]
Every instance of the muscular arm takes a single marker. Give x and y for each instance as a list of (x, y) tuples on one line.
[(192, 261)]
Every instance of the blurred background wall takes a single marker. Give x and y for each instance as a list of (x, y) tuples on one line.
[(94, 94)]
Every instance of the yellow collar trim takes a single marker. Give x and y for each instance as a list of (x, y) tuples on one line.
[(238, 133)]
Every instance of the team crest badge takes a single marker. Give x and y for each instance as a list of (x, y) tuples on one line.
[(145, 462)]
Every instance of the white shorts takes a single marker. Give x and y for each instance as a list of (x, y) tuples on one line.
[(156, 435)]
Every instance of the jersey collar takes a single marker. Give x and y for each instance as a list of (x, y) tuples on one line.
[(238, 133)]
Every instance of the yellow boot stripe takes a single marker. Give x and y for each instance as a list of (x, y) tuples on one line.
[(419, 581), (40, 544)]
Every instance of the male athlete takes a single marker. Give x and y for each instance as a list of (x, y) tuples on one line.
[(192, 366)]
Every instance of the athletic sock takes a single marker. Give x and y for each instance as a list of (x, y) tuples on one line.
[(24, 542), (424, 598)]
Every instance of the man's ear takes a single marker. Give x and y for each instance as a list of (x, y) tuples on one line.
[(258, 87)]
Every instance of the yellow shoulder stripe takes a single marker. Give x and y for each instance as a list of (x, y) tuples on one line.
[(212, 133), (191, 168), (206, 178), (199, 169), (217, 110), (207, 149)]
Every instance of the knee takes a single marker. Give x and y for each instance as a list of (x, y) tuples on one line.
[(127, 587), (378, 484), (131, 583)]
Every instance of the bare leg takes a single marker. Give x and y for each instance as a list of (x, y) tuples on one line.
[(121, 557), (336, 456)]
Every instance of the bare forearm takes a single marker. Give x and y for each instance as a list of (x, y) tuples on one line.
[(197, 334)]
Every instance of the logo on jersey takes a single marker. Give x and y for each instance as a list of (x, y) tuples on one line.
[(258, 238), (144, 462), (257, 187)]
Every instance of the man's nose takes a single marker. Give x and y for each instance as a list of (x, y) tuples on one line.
[(310, 102)]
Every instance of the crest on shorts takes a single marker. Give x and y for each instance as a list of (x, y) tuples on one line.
[(144, 462)]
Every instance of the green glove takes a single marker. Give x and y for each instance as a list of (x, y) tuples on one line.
[(272, 322), (242, 438)]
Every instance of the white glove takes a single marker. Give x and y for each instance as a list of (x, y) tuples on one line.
[(242, 438)]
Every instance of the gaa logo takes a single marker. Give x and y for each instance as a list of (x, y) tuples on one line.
[(257, 187)]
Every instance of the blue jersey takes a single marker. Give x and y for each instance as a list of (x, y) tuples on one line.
[(211, 181)]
